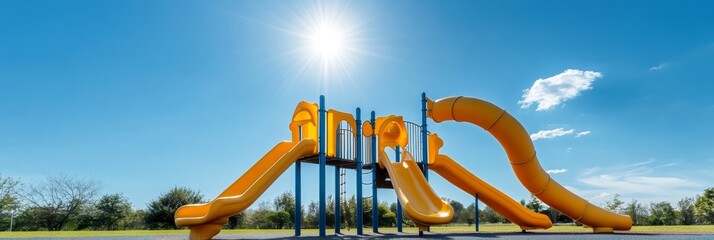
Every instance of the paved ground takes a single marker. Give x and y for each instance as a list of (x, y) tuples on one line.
[(515, 235)]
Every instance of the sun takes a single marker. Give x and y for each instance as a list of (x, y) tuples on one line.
[(327, 42)]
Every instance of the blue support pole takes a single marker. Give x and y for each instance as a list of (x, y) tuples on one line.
[(298, 202), (424, 149), (375, 213), (398, 153), (424, 145), (337, 199), (298, 194), (358, 152), (323, 161), (337, 184), (476, 207)]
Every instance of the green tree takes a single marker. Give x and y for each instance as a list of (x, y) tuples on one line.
[(135, 220), (113, 209), (704, 207), (9, 203), (468, 215), (311, 218), (555, 216), (387, 218), (406, 221), (367, 211), (662, 213), (686, 211), (237, 220), (535, 205), (330, 211), (637, 212), (615, 205), (279, 218), (350, 212), (8, 194), (160, 212), (260, 218), (29, 219), (488, 215), (458, 208), (286, 202)]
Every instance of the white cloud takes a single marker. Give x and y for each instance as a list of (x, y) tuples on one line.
[(658, 67), (557, 89), (637, 184), (602, 195), (583, 133), (553, 133), (556, 171), (638, 180)]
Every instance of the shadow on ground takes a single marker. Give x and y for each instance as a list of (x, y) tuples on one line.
[(499, 235)]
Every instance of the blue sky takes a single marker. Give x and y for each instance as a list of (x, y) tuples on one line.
[(147, 95)]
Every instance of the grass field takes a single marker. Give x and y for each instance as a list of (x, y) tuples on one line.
[(438, 229)]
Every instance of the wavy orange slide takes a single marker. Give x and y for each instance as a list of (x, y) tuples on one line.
[(423, 206), (419, 200), (205, 220), (492, 197), (522, 156)]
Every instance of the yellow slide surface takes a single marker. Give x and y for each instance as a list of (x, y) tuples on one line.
[(205, 220), (522, 156), (419, 201), (470, 183)]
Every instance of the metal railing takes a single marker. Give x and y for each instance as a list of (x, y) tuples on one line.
[(345, 142), (346, 146), (366, 150), (415, 145)]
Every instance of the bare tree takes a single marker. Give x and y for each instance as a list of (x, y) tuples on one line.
[(59, 198), (7, 194)]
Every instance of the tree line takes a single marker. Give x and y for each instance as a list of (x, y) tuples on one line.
[(66, 203), (688, 211)]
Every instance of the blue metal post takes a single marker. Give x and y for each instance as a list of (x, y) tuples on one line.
[(375, 213), (398, 153), (424, 145), (337, 199), (298, 204), (298, 194), (476, 207), (323, 161), (424, 149), (358, 152), (337, 183)]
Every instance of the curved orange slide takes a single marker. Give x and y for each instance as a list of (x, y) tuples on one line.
[(423, 206), (205, 220), (522, 156), (497, 200)]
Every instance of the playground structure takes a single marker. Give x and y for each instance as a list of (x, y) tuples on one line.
[(334, 138)]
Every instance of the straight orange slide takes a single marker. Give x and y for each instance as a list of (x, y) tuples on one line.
[(521, 154), (492, 197), (205, 220)]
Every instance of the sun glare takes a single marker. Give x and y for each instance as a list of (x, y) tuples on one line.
[(327, 42), (330, 44)]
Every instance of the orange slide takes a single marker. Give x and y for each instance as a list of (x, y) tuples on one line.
[(205, 220), (423, 206), (497, 200), (522, 156)]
